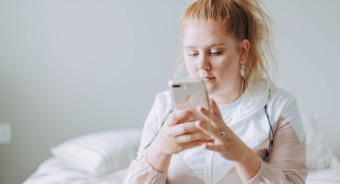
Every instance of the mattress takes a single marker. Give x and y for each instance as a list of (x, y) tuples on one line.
[(54, 171), (324, 176)]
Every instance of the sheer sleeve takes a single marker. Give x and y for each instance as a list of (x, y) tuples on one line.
[(287, 161), (140, 171)]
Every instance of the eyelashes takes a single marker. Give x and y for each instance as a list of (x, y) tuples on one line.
[(212, 54), (192, 55), (216, 53)]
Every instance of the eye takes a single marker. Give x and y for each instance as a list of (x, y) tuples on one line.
[(216, 53), (193, 54)]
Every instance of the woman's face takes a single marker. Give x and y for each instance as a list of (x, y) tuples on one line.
[(214, 55)]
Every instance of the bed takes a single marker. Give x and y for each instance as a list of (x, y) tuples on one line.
[(104, 157)]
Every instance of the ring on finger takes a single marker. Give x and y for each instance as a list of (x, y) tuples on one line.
[(222, 135)]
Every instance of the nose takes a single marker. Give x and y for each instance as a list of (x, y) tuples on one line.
[(203, 63)]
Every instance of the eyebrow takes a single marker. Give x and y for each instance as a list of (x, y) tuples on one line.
[(216, 44)]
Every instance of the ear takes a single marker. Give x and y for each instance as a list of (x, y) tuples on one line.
[(245, 47)]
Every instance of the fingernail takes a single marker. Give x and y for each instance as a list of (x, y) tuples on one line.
[(202, 109), (201, 123)]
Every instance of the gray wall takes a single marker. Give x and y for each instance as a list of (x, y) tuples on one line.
[(307, 37), (72, 67)]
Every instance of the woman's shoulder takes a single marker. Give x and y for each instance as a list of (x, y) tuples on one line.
[(162, 104), (275, 95), (281, 100), (284, 107), (281, 95), (164, 97)]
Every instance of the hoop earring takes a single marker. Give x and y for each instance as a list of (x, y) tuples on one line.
[(243, 67), (242, 87)]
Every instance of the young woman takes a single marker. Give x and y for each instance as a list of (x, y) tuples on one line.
[(256, 127)]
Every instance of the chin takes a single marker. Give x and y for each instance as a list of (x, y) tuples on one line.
[(210, 89)]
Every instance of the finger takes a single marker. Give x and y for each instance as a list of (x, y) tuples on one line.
[(208, 129), (196, 143), (207, 116), (212, 147), (184, 128), (196, 136), (215, 108), (180, 116)]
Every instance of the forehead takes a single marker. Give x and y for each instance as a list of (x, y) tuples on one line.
[(198, 33)]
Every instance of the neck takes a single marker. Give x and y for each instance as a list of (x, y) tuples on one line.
[(229, 96)]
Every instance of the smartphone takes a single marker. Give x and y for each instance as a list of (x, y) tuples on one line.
[(189, 93)]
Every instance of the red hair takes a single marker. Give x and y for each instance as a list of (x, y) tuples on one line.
[(244, 19)]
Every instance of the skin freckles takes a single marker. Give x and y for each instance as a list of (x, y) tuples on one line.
[(210, 51), (214, 56)]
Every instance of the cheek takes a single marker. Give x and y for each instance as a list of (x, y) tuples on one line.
[(226, 67), (191, 68), (231, 60), (226, 63)]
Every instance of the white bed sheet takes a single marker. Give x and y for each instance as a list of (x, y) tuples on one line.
[(54, 171), (324, 176)]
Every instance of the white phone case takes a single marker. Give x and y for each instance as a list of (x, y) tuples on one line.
[(189, 93)]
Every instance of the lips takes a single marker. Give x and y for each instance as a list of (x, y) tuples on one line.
[(207, 78)]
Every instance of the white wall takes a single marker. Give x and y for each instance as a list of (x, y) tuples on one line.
[(307, 41), (71, 67)]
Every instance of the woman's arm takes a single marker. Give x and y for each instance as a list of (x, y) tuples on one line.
[(140, 171), (176, 135), (287, 160)]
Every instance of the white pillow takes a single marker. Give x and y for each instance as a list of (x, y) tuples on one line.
[(319, 154), (100, 153)]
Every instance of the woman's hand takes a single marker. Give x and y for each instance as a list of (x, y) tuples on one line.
[(177, 134), (230, 146)]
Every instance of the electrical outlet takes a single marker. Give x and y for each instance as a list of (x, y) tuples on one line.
[(5, 133)]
